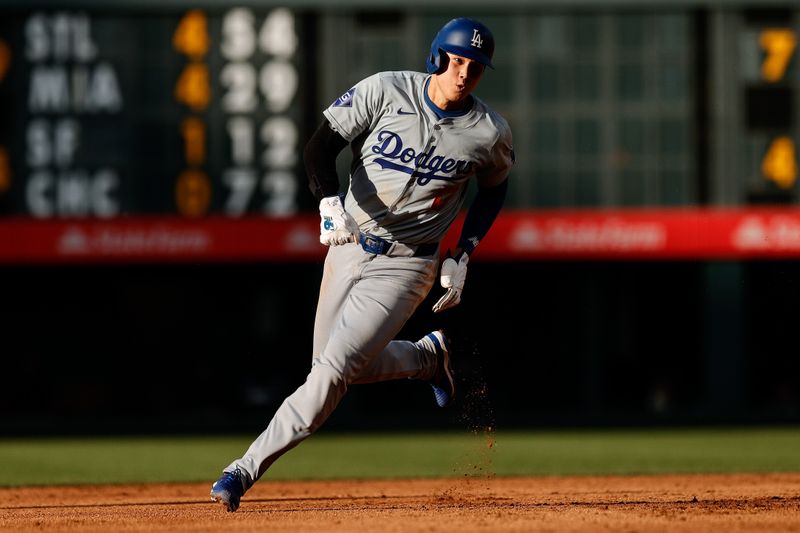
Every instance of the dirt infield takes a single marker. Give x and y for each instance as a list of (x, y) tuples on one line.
[(730, 503)]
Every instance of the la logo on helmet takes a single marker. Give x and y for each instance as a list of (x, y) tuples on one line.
[(476, 38)]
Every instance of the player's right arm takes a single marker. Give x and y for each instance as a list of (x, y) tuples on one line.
[(336, 225), (319, 157), (345, 119)]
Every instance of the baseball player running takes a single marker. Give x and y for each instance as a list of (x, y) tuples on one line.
[(417, 140)]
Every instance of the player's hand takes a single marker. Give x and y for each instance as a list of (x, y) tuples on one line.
[(337, 225), (453, 275)]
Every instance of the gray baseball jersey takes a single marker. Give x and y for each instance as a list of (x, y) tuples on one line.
[(408, 182), (411, 168)]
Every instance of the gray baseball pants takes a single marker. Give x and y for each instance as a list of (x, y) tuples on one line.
[(364, 301)]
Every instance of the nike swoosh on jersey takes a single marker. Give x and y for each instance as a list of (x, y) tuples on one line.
[(401, 112)]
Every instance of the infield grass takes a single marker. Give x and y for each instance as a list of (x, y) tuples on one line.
[(390, 455)]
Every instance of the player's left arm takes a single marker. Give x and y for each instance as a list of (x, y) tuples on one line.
[(492, 181), (482, 212), (481, 215)]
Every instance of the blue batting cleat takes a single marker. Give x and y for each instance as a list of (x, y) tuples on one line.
[(229, 488), (442, 382)]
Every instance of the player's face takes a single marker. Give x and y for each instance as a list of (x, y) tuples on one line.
[(459, 79)]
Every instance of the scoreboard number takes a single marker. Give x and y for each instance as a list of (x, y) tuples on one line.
[(194, 140), (193, 193), (193, 87), (5, 59), (280, 137), (239, 80), (779, 45), (260, 83), (5, 170), (191, 35), (779, 162)]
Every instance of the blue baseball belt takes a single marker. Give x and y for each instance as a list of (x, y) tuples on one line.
[(378, 246)]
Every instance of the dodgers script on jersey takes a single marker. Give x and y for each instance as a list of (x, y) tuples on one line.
[(411, 168)]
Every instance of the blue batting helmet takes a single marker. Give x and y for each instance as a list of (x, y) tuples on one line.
[(464, 37)]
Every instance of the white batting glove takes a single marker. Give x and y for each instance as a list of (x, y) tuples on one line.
[(337, 225), (453, 275)]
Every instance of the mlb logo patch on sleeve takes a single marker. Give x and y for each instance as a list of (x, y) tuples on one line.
[(346, 100)]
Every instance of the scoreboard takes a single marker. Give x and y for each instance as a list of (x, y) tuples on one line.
[(188, 112)]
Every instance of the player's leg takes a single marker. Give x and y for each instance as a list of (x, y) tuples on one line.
[(338, 277), (387, 292), (401, 358), (374, 311), (240, 475)]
